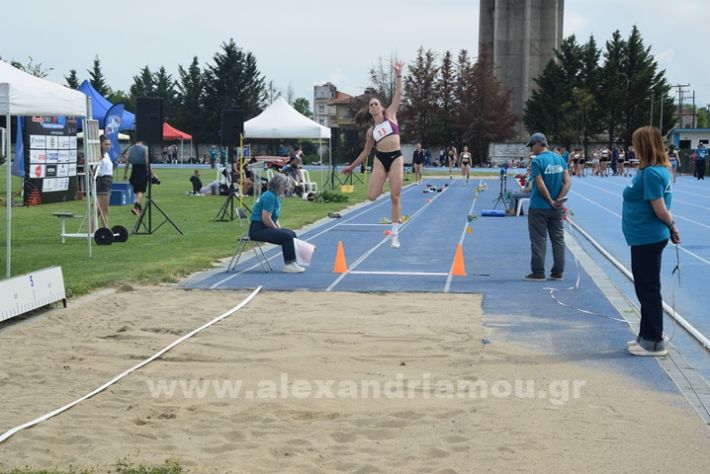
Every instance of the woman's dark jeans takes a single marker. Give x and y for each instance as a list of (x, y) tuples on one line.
[(283, 237), (646, 268)]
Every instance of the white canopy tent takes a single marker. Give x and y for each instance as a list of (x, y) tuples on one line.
[(280, 120), (25, 94)]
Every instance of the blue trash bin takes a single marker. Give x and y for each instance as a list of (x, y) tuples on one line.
[(121, 194)]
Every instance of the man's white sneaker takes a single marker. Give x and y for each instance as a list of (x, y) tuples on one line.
[(293, 267), (395, 242)]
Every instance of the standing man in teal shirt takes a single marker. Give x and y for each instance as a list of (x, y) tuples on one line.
[(551, 184)]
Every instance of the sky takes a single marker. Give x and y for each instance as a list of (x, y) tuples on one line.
[(298, 44)]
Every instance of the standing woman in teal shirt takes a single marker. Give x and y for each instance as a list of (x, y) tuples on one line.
[(265, 227), (647, 224)]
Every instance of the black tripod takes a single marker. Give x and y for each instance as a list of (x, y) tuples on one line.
[(503, 190), (148, 211), (228, 212), (349, 178), (335, 176)]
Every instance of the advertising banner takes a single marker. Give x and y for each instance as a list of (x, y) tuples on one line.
[(50, 159)]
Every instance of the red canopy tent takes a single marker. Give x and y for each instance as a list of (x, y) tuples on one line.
[(171, 133)]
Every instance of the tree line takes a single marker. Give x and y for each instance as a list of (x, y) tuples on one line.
[(193, 100), (581, 99)]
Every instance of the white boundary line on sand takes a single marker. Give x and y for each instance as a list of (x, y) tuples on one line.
[(66, 407)]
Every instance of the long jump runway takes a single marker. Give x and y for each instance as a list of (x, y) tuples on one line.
[(496, 250)]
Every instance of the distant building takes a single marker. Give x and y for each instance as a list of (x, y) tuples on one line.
[(342, 104), (689, 138), (323, 113), (521, 37)]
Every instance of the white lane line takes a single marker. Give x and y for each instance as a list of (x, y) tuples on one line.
[(366, 209), (364, 256), (596, 204), (363, 272), (675, 189), (692, 254), (360, 225), (450, 277), (691, 220), (675, 214)]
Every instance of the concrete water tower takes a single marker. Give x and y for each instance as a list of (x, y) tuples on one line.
[(521, 36)]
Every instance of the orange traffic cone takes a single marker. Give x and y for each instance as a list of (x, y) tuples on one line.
[(457, 269), (340, 266)]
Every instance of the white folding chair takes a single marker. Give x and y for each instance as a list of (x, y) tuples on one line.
[(308, 185), (242, 242), (522, 201)]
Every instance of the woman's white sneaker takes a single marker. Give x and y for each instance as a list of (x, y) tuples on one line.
[(293, 267), (638, 350), (395, 242)]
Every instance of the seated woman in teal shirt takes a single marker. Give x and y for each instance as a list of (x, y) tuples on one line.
[(265, 226), (647, 224)]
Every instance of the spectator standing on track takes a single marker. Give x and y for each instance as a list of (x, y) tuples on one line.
[(700, 154), (551, 183), (614, 159), (675, 161), (452, 156), (647, 224), (465, 162), (418, 158), (604, 161)]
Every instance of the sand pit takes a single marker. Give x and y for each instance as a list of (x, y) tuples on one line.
[(330, 382)]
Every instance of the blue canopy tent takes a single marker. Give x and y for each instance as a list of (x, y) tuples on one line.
[(100, 105)]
